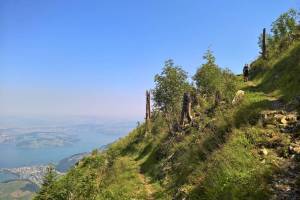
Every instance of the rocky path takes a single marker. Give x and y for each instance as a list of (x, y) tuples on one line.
[(285, 183)]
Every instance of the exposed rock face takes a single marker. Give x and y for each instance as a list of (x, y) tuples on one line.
[(239, 96)]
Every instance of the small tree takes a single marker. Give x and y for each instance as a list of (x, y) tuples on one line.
[(46, 191), (284, 30), (211, 79), (170, 86), (285, 25), (208, 76), (229, 85)]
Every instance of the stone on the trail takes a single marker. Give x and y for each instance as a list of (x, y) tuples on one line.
[(287, 122), (264, 151), (294, 148), (283, 121), (270, 117), (239, 96), (297, 150), (292, 118), (279, 118)]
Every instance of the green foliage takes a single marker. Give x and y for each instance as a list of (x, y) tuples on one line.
[(233, 172), (284, 31), (124, 171), (170, 86), (248, 112), (210, 78), (230, 85), (279, 76), (285, 25), (47, 190)]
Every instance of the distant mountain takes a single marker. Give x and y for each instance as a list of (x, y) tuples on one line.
[(18, 189), (65, 164)]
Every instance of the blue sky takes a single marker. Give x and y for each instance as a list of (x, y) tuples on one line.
[(81, 57)]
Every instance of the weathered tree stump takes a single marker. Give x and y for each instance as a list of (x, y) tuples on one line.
[(186, 109), (264, 45), (218, 98), (148, 111)]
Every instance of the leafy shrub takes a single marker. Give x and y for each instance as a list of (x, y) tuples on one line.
[(210, 78), (170, 86)]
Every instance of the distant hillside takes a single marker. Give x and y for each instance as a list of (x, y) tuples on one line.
[(248, 148), (17, 190), (65, 164)]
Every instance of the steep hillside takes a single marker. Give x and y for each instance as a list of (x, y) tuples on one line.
[(280, 75), (230, 154), (249, 150)]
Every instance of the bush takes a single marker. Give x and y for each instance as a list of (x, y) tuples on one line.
[(170, 86), (210, 79)]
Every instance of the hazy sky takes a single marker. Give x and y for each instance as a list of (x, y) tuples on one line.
[(83, 57)]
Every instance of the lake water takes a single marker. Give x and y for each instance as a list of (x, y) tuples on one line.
[(89, 137)]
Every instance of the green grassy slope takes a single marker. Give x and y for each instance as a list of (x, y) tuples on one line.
[(220, 158), (280, 76)]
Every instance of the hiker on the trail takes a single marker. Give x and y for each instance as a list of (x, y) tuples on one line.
[(246, 72)]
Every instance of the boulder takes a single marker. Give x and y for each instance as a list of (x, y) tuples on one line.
[(239, 96)]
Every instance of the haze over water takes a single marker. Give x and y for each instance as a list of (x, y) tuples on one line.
[(49, 144)]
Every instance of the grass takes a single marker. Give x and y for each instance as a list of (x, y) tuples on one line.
[(233, 172), (123, 182), (282, 79)]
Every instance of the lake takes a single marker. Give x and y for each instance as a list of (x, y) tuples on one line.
[(36, 146)]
